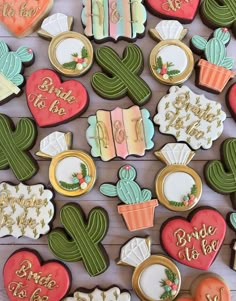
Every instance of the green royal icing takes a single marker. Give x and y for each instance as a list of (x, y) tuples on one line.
[(222, 177), (121, 76), (14, 145), (127, 190), (11, 62), (215, 49), (84, 238), (233, 220), (220, 13)]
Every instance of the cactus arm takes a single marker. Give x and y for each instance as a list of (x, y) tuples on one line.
[(108, 190), (10, 65), (62, 248), (3, 48), (97, 225), (229, 151), (129, 192), (108, 87), (18, 80), (228, 63), (25, 54), (215, 51), (199, 43), (24, 134), (146, 195), (3, 161), (133, 64)]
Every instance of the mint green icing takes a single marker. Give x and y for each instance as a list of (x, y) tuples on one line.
[(139, 17), (127, 190), (215, 49), (11, 62), (92, 135), (233, 220), (148, 128)]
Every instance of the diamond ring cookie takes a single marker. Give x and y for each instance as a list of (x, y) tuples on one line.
[(12, 65), (25, 210), (190, 117), (80, 240), (114, 20), (71, 172), (171, 61), (215, 69), (138, 211), (25, 276), (187, 183), (155, 277), (70, 53), (112, 294), (120, 133), (21, 17), (194, 241)]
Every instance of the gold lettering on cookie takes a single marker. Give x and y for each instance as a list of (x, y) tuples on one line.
[(8, 10), (215, 298), (173, 5), (114, 15), (119, 132)]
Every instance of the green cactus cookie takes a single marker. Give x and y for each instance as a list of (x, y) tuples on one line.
[(221, 177), (127, 190), (80, 239), (14, 146), (120, 77), (221, 13), (11, 65)]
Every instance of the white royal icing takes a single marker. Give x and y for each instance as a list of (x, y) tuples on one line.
[(54, 144), (55, 24), (169, 29), (66, 48), (25, 210)]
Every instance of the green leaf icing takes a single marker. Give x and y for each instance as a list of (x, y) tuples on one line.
[(120, 77), (218, 13), (14, 144), (214, 50), (80, 239), (233, 220), (222, 177), (170, 285), (127, 190)]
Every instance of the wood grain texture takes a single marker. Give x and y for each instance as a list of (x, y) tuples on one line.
[(147, 166)]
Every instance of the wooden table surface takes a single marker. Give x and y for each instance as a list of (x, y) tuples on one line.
[(147, 166)]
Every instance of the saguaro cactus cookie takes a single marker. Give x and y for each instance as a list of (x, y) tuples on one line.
[(220, 176), (14, 144), (215, 71), (121, 76), (84, 238), (217, 13), (11, 65)]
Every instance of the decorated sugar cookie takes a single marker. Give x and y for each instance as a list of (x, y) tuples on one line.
[(112, 294), (231, 219), (25, 210), (231, 100), (171, 61), (187, 183), (182, 10), (80, 240), (138, 211), (71, 172), (195, 241), (219, 14), (220, 175), (215, 68), (26, 277), (190, 117), (114, 20), (11, 69), (120, 133), (120, 76), (21, 17), (15, 143), (208, 287), (52, 102), (155, 277), (70, 53)]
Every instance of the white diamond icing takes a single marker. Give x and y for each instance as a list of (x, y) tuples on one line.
[(135, 252), (54, 144), (55, 24), (176, 153), (169, 29)]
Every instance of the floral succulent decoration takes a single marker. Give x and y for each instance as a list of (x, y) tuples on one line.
[(170, 285), (165, 69)]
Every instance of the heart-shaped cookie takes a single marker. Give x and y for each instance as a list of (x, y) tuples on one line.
[(209, 287), (194, 242), (25, 278), (52, 102), (183, 11), (22, 16), (231, 100)]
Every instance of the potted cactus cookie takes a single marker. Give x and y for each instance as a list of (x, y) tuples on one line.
[(215, 69), (138, 210)]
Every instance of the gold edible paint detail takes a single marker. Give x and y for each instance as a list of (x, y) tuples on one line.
[(114, 15), (119, 132), (8, 10), (169, 169), (216, 298), (179, 78), (52, 53), (102, 137), (173, 5), (152, 260), (139, 129), (83, 157)]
